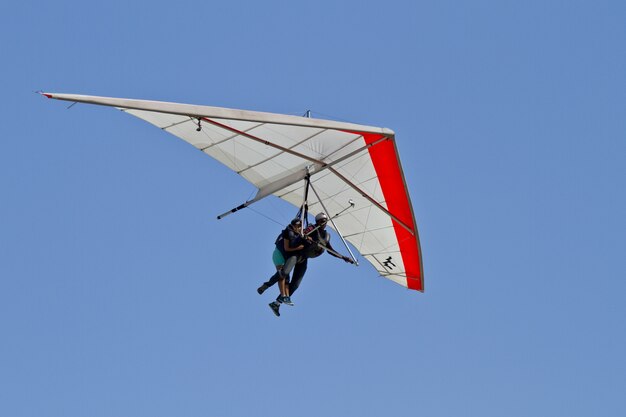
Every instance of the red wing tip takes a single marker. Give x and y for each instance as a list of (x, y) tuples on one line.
[(47, 95), (415, 284)]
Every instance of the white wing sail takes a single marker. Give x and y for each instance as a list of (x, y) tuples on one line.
[(275, 152)]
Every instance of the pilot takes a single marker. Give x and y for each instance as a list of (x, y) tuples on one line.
[(316, 241)]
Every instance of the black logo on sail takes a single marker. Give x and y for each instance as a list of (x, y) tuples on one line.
[(388, 263)]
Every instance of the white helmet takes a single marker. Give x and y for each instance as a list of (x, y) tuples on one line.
[(321, 218)]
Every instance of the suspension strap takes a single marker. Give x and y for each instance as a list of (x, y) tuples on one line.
[(303, 212)]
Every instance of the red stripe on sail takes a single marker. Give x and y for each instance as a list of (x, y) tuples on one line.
[(387, 166)]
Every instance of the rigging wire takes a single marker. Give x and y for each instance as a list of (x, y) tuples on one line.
[(266, 216), (310, 114), (330, 117), (262, 214)]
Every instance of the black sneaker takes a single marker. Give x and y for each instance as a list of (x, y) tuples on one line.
[(287, 300), (275, 307), (261, 289)]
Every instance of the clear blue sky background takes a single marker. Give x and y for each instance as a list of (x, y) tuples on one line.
[(121, 295)]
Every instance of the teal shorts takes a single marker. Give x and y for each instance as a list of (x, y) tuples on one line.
[(278, 258)]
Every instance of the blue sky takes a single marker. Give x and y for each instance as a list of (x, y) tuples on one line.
[(120, 294)]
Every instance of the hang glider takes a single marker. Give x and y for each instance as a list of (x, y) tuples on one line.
[(341, 161)]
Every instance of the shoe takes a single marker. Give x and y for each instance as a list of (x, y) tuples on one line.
[(287, 300), (275, 306), (261, 289)]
